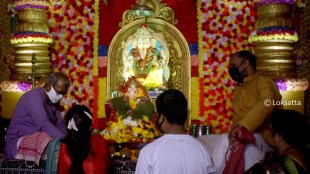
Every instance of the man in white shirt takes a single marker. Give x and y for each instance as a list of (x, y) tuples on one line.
[(175, 152)]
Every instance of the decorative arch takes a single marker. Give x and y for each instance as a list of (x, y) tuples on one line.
[(162, 23)]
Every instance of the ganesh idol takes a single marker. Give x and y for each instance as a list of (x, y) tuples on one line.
[(146, 56)]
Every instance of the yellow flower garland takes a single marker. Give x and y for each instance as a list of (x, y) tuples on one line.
[(96, 41), (195, 98), (102, 87)]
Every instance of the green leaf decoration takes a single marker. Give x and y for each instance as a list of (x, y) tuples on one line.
[(120, 105)]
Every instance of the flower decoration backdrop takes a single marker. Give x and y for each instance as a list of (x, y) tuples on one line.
[(73, 29), (225, 28), (83, 30)]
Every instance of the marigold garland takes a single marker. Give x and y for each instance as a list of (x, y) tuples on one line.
[(130, 130), (27, 37), (102, 97), (96, 41), (36, 4), (274, 34), (194, 98)]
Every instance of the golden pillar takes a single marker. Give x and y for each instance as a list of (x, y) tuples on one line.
[(31, 40), (273, 40)]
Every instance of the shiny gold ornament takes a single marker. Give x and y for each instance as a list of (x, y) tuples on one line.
[(32, 20), (32, 55), (273, 22), (161, 11), (32, 15), (274, 59), (23, 61), (273, 15), (32, 26), (274, 10)]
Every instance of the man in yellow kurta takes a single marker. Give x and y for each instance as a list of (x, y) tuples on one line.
[(255, 96), (254, 99)]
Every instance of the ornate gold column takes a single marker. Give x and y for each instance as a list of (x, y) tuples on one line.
[(273, 40), (31, 39)]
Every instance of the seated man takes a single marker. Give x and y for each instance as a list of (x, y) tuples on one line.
[(37, 120), (174, 152)]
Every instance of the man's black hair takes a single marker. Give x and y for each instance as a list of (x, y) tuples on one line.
[(244, 54), (54, 77), (173, 105)]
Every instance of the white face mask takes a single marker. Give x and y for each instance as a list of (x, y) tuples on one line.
[(53, 95)]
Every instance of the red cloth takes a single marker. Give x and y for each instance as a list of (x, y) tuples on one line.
[(98, 163), (235, 162), (32, 146)]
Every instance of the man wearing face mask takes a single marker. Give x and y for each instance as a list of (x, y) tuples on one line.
[(37, 120), (250, 110), (175, 152), (244, 146), (251, 92)]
